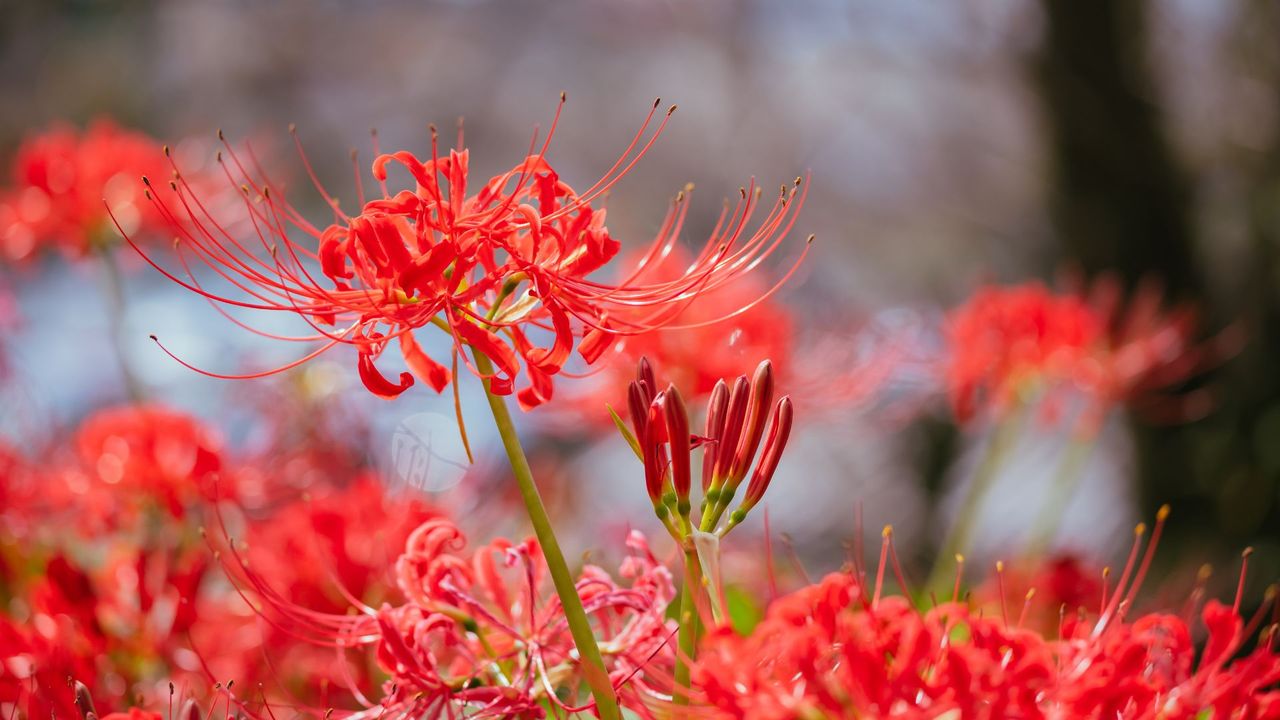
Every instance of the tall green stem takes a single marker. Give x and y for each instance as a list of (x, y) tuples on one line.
[(1065, 481), (687, 640), (579, 625), (113, 287), (962, 533)]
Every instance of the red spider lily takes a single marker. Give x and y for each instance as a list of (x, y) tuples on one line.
[(60, 180), (435, 255), (39, 656), (838, 649), (735, 426), (140, 454), (1151, 349), (479, 633), (1002, 340), (1008, 343), (321, 553), (132, 466), (119, 621)]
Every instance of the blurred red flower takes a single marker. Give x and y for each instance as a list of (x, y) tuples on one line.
[(135, 455), (68, 184), (1008, 345)]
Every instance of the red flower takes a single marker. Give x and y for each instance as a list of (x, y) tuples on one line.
[(724, 334), (150, 453), (38, 657), (65, 183), (838, 649), (321, 553), (1008, 344), (493, 270), (1004, 340), (482, 633)]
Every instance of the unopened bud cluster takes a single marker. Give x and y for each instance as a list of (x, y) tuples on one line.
[(741, 420)]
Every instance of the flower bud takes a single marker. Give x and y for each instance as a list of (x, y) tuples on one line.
[(644, 374), (735, 417), (757, 410), (655, 455), (779, 431), (717, 408), (677, 417), (638, 408)]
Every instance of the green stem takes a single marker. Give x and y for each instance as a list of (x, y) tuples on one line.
[(113, 287), (1065, 481), (687, 640), (579, 625), (961, 534)]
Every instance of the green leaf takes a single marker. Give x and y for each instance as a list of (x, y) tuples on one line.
[(626, 433), (744, 612)]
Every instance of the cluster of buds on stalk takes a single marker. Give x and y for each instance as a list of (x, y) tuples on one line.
[(739, 420)]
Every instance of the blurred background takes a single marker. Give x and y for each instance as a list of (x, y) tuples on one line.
[(950, 145)]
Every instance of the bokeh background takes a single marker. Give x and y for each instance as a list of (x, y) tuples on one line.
[(950, 144)]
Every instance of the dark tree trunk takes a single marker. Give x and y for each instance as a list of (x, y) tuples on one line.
[(1119, 200)]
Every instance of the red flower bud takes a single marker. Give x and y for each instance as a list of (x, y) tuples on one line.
[(678, 436), (655, 455), (638, 407), (779, 431), (757, 410), (644, 374), (735, 417), (717, 409)]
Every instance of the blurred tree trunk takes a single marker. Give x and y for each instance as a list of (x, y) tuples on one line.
[(1121, 202), (1249, 424)]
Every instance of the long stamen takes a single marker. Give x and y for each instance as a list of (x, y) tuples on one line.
[(1004, 606), (1161, 516), (884, 556), (1138, 531), (1244, 571), (1026, 607)]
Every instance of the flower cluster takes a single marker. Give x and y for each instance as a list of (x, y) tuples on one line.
[(105, 576), (738, 421), (1007, 344), (479, 634), (140, 552), (841, 649), (67, 185), (494, 268)]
